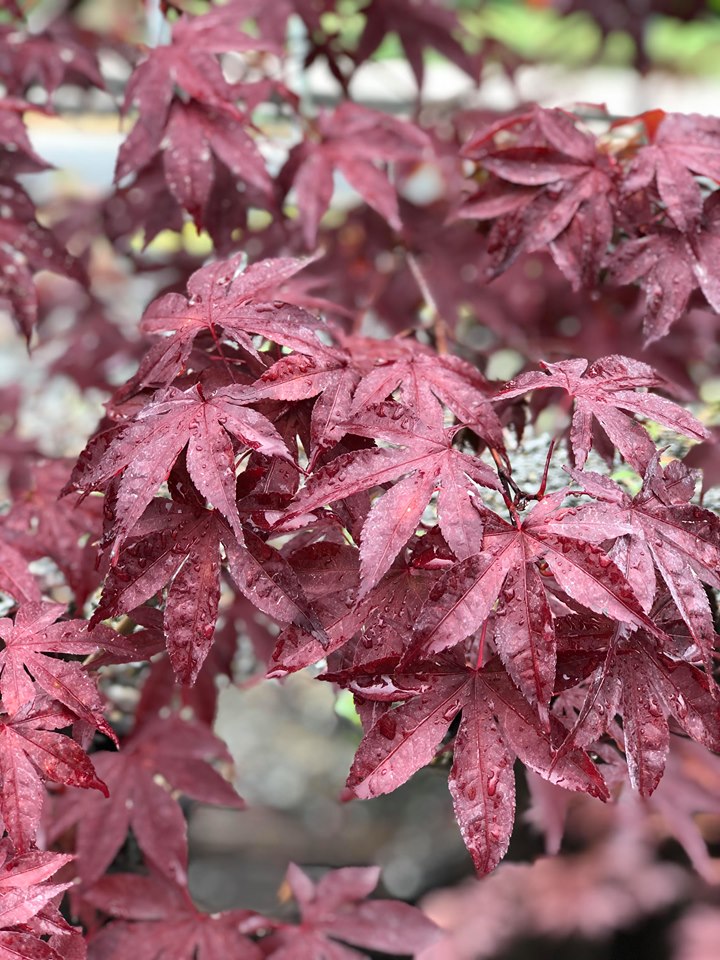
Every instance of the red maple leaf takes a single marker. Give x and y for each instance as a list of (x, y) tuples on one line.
[(179, 545), (23, 888), (16, 150), (424, 380), (497, 725), (418, 26), (40, 525), (665, 533), (27, 661), (142, 453), (353, 140), (630, 675), (15, 577), (30, 753), (337, 908), (25, 249), (313, 370), (157, 918), (194, 141), (425, 459), (59, 54), (670, 265), (511, 569), (550, 187), (27, 908), (225, 299), (680, 145), (383, 619), (189, 61), (602, 392), (164, 754)]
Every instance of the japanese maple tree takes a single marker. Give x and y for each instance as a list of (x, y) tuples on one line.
[(306, 450)]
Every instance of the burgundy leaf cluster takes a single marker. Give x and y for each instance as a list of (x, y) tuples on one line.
[(313, 458)]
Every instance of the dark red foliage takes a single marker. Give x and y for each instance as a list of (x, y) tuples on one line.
[(308, 463), (156, 918), (337, 908)]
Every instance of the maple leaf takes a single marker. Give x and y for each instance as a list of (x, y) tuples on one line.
[(509, 569), (23, 888), (425, 459), (497, 724), (353, 140), (59, 54), (669, 688), (225, 298), (26, 910), (602, 392), (195, 138), (680, 145), (424, 379), (25, 664), (336, 908), (179, 544), (158, 919), (670, 265), (417, 26), (144, 203), (30, 753), (164, 754), (25, 249), (160, 689), (40, 525), (188, 62), (15, 577), (382, 620), (314, 370), (16, 151), (145, 450), (552, 187), (665, 533)]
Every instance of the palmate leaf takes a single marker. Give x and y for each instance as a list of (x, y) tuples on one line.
[(59, 54), (145, 451), (194, 140), (679, 146), (507, 572), (383, 619), (353, 140), (667, 534), (604, 391), (26, 247), (25, 664), (15, 577), (190, 62), (156, 918), (337, 909), (27, 910), (497, 725), (178, 545), (164, 754), (423, 461), (629, 675), (669, 265), (40, 525), (425, 380), (24, 890), (551, 187), (16, 150), (418, 26), (224, 299), (31, 753)]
